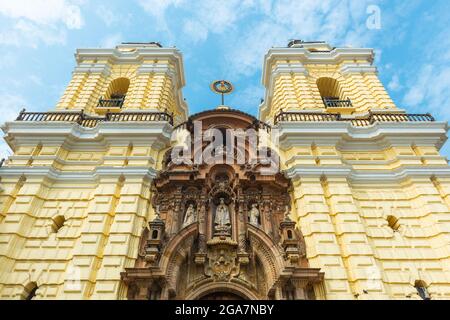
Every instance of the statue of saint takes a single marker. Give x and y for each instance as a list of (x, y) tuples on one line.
[(222, 218), (189, 216), (254, 215)]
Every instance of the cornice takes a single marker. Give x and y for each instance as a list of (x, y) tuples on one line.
[(349, 68), (367, 176), (334, 56), (344, 135), (136, 56), (79, 176), (154, 133)]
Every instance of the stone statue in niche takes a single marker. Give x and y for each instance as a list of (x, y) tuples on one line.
[(222, 223), (190, 216), (254, 215), (287, 212)]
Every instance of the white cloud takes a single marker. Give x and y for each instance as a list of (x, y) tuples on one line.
[(157, 9), (339, 22), (196, 30), (10, 106), (8, 59), (429, 90), (394, 84), (36, 21), (245, 56), (249, 28), (45, 12), (246, 99), (107, 15), (27, 33)]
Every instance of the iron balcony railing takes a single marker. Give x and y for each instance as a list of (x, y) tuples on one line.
[(110, 103), (91, 121), (332, 102), (358, 122)]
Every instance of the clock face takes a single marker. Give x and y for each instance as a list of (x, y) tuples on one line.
[(222, 87)]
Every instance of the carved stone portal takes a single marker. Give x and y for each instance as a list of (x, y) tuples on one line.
[(221, 229)]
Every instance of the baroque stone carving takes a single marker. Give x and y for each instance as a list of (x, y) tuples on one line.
[(190, 216), (222, 224), (254, 215), (242, 239)]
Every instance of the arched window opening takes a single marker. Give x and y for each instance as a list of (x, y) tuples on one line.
[(57, 223), (30, 291), (331, 93), (155, 234), (115, 95), (393, 223), (422, 291)]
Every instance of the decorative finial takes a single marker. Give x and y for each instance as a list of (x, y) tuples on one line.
[(222, 87)]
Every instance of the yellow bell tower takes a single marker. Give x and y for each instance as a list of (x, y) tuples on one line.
[(76, 192), (370, 189)]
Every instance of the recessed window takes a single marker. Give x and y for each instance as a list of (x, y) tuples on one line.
[(58, 223), (118, 88), (30, 291), (393, 223), (422, 291), (329, 87), (332, 93), (115, 95)]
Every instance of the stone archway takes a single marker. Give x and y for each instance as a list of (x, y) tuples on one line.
[(216, 291), (221, 295)]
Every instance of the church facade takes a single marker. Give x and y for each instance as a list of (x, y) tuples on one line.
[(331, 192)]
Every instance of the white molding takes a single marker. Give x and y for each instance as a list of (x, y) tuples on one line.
[(134, 57), (367, 176), (102, 68), (79, 176), (334, 56), (71, 135), (347, 137), (349, 68)]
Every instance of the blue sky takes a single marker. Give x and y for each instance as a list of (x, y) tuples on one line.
[(222, 39)]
